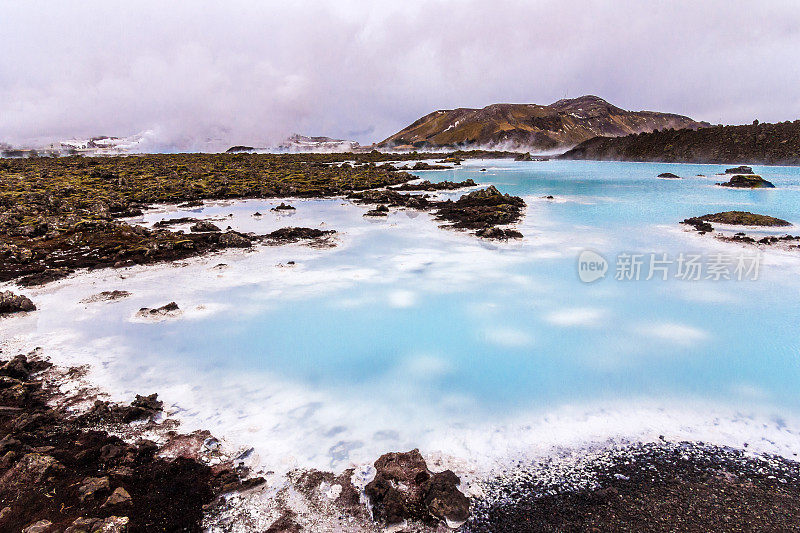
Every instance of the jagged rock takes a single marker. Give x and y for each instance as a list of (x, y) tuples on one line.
[(204, 226), (106, 296), (404, 489), (739, 170), (380, 211), (292, 234), (524, 157), (498, 233), (283, 207), (232, 239), (119, 497), (38, 527), (669, 175), (440, 186), (92, 488), (12, 303), (748, 182), (169, 309), (699, 224), (112, 524), (422, 165), (445, 501), (480, 209), (29, 472)]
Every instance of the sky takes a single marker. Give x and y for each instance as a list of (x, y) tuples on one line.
[(205, 75)]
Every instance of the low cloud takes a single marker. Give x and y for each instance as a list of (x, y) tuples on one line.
[(204, 75)]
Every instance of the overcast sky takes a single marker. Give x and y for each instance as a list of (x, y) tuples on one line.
[(201, 74)]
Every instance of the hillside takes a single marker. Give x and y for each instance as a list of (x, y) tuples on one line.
[(531, 126), (769, 144)]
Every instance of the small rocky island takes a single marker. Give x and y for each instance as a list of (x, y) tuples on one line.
[(747, 181)]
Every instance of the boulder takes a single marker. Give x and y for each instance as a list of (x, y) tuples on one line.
[(118, 498), (494, 232), (283, 207), (169, 309), (751, 181), (404, 489), (204, 226), (12, 303), (380, 211), (232, 239), (92, 488), (38, 527), (669, 175), (739, 170)]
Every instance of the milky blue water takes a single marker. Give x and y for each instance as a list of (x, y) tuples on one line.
[(408, 317)]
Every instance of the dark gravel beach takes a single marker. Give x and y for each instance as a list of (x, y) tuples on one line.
[(646, 487)]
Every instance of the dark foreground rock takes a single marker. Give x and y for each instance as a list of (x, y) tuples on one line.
[(13, 303), (404, 489), (649, 487), (669, 175), (750, 181), (59, 473)]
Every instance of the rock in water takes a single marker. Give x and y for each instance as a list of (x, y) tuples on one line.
[(669, 175), (12, 303), (751, 181), (404, 489), (744, 218), (739, 170), (204, 226)]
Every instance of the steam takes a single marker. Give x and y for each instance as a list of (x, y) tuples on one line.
[(203, 75)]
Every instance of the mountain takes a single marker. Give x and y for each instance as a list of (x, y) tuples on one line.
[(769, 144), (562, 124)]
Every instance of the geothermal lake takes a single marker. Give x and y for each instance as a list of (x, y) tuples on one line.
[(406, 335)]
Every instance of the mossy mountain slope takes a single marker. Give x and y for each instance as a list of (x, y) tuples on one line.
[(531, 126)]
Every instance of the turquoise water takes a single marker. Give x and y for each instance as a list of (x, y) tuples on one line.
[(405, 317)]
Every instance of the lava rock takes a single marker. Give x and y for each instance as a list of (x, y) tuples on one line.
[(744, 218), (739, 170), (12, 303), (380, 211), (204, 226), (669, 175), (233, 239), (404, 489), (748, 182), (283, 207)]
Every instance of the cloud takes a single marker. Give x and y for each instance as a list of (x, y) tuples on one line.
[(507, 337), (204, 75), (578, 317), (675, 333), (402, 299)]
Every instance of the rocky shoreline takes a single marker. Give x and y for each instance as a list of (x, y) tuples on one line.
[(74, 462), (58, 215)]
